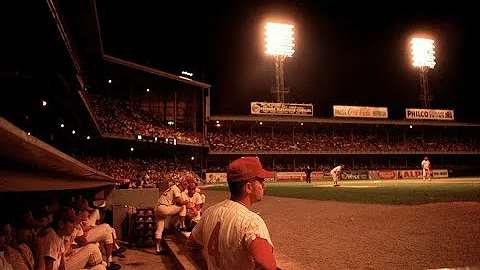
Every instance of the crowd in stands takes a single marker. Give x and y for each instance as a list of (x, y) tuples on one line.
[(138, 173), (356, 141), (118, 117)]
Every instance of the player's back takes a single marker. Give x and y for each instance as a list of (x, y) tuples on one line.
[(335, 170), (228, 228)]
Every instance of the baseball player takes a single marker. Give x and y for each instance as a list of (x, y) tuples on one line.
[(229, 235), (426, 169), (91, 232), (52, 247), (335, 172), (194, 204), (169, 204)]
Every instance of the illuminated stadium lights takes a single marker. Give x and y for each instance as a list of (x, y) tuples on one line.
[(187, 73), (423, 57), (279, 43), (73, 132), (279, 40), (109, 81), (131, 149), (139, 137), (148, 90), (44, 103), (62, 125), (88, 137), (423, 52)]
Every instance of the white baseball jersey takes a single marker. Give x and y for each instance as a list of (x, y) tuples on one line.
[(192, 201), (226, 231), (168, 196), (70, 239), (4, 264), (51, 245), (201, 195), (336, 170), (426, 164)]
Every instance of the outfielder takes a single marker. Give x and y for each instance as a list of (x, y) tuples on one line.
[(335, 172), (426, 169), (229, 234)]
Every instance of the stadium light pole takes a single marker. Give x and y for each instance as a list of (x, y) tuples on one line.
[(279, 43), (423, 58)]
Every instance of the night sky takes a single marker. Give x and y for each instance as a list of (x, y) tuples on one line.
[(345, 55)]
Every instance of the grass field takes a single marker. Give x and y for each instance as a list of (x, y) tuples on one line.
[(397, 192)]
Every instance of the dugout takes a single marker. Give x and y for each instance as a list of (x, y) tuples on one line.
[(32, 172)]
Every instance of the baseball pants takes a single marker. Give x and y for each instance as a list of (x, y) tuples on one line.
[(100, 234), (88, 255), (164, 215), (426, 173)]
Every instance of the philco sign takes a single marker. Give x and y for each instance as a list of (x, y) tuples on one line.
[(429, 114)]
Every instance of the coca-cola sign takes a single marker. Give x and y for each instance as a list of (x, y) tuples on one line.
[(360, 111)]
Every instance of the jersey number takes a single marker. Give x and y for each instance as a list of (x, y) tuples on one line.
[(213, 244)]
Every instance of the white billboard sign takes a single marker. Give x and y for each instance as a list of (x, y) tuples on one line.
[(360, 111), (268, 108), (429, 114)]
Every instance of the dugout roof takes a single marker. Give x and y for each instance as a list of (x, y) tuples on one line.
[(28, 164)]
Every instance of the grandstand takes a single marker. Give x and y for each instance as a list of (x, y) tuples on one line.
[(145, 117)]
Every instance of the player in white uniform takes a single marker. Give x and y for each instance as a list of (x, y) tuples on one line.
[(194, 204), (426, 169), (335, 172), (169, 204), (52, 249), (96, 233), (229, 235)]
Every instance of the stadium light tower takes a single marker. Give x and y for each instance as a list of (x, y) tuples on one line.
[(279, 42), (423, 57)]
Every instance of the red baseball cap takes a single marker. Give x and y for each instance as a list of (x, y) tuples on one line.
[(246, 168)]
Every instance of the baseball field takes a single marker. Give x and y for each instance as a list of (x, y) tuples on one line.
[(396, 192), (394, 224)]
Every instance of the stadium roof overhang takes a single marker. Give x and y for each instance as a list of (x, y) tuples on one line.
[(307, 119), (153, 71), (28, 164)]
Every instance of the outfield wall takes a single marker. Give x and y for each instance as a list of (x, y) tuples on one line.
[(221, 177)]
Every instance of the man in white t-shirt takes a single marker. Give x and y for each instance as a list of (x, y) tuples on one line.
[(169, 204), (426, 169), (335, 172), (229, 235)]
